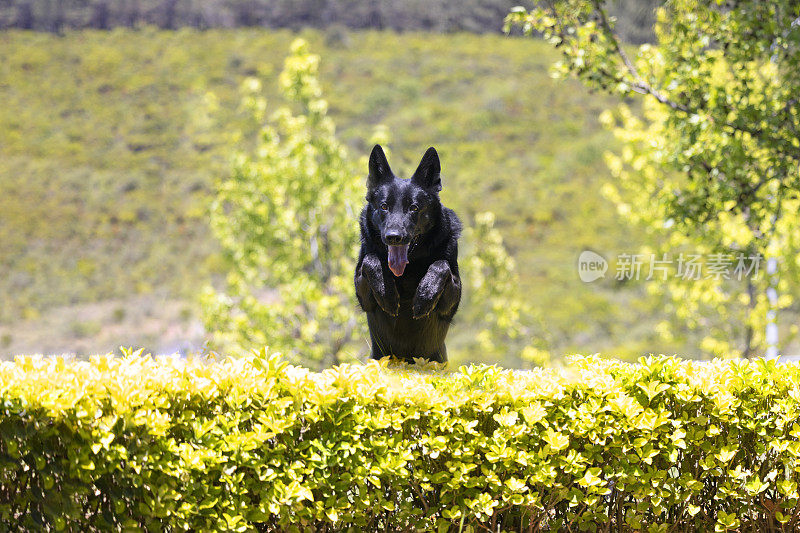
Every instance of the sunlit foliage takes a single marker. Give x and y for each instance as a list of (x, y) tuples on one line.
[(251, 444), (286, 220), (712, 168), (507, 321)]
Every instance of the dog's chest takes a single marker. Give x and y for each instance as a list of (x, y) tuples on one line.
[(408, 282)]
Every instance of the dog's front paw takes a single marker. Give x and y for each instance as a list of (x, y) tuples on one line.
[(423, 307), (391, 303), (383, 288), (430, 289)]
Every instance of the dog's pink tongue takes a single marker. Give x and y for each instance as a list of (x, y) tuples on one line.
[(398, 259)]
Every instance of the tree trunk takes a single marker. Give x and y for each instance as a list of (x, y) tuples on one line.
[(100, 16), (169, 14), (58, 20), (772, 312), (24, 16), (751, 304)]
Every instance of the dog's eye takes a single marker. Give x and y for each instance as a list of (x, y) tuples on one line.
[(414, 207), (385, 206)]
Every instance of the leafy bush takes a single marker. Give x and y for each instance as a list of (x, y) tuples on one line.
[(254, 444), (711, 168), (286, 220)]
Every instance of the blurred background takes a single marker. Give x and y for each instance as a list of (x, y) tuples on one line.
[(117, 118)]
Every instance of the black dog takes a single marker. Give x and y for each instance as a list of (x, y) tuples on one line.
[(407, 273)]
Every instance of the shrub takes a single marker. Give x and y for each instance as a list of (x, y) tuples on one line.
[(286, 221), (254, 444)]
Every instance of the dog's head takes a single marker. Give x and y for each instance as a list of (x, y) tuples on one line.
[(402, 209)]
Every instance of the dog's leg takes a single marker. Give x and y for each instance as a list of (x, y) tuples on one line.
[(451, 297), (439, 289), (364, 293), (371, 288)]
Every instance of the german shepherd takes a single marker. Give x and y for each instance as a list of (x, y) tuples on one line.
[(407, 273)]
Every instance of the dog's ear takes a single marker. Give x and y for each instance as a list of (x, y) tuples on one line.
[(379, 170), (427, 174)]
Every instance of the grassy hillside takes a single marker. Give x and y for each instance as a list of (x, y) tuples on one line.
[(108, 147)]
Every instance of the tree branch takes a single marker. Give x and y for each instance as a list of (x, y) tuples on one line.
[(639, 84)]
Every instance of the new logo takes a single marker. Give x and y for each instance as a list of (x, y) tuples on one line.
[(591, 266)]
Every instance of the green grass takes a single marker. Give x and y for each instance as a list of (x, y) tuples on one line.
[(108, 152)]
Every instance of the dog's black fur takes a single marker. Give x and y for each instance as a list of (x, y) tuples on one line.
[(408, 314)]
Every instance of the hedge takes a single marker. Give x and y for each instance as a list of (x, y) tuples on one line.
[(254, 444)]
